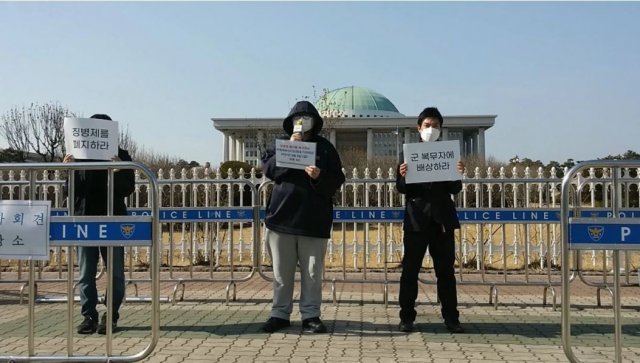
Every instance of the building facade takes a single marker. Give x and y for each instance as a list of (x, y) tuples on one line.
[(357, 121)]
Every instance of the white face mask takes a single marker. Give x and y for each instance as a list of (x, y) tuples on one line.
[(302, 124), (429, 134)]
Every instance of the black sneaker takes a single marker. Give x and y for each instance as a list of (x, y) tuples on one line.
[(315, 325), (88, 325), (454, 327), (274, 324), (102, 327), (405, 326)]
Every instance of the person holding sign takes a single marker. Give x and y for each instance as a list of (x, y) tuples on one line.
[(299, 217), (90, 199), (429, 221)]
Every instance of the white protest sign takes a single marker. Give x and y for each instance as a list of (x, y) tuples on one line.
[(432, 161), (88, 138), (295, 154), (24, 229)]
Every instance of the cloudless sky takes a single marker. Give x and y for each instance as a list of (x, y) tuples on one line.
[(563, 78)]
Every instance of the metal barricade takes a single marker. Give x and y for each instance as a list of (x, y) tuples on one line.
[(509, 237), (105, 227), (606, 232), (387, 215), (211, 216)]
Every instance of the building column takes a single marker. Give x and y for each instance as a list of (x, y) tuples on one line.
[(481, 151), (225, 146), (476, 152), (260, 147), (445, 134), (232, 147), (239, 155), (468, 145), (332, 137), (407, 135), (369, 145), (260, 143)]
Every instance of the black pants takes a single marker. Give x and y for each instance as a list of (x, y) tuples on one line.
[(442, 250)]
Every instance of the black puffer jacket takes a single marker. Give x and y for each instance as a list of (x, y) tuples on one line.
[(428, 201), (90, 194), (298, 204)]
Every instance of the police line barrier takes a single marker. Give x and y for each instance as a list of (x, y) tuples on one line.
[(365, 206), (369, 215), (611, 231), (69, 231), (340, 215), (215, 219)]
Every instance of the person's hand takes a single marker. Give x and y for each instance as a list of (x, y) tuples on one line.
[(403, 169), (313, 171), (460, 167), (296, 136), (68, 158)]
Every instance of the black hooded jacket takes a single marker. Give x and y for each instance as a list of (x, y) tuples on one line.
[(428, 201), (91, 189), (299, 204)]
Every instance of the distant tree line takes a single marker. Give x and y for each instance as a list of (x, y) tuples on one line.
[(35, 133)]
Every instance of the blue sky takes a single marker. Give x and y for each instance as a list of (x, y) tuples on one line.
[(563, 78)]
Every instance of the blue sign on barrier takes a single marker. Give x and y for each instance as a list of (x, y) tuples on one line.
[(59, 212), (200, 214), (465, 215), (96, 232), (368, 214), (538, 215), (601, 233), (241, 214)]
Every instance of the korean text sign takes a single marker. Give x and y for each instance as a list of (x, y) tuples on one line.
[(295, 154), (24, 229), (87, 138), (432, 161)]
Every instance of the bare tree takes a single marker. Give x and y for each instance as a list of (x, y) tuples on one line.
[(48, 120), (128, 143), (38, 129), (16, 133), (154, 160)]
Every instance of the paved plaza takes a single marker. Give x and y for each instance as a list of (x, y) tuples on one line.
[(203, 328)]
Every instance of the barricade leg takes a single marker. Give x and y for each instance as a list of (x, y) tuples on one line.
[(175, 292), (493, 292)]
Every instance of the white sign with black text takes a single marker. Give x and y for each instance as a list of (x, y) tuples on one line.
[(24, 229), (432, 161), (295, 154), (88, 138)]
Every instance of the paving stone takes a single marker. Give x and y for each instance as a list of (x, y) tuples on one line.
[(361, 329)]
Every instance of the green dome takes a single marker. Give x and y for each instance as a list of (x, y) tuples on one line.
[(356, 102)]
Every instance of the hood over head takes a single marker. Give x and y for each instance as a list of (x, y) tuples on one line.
[(102, 116), (302, 108)]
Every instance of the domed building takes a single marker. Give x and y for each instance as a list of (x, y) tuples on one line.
[(358, 121), (356, 102)]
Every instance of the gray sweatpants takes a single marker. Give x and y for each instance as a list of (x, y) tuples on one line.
[(286, 251)]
